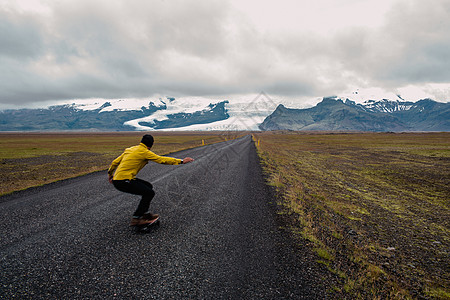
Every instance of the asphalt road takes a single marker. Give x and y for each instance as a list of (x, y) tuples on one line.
[(219, 238)]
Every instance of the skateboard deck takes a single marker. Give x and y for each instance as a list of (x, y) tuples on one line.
[(148, 227)]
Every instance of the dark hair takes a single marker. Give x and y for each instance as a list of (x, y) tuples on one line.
[(147, 140)]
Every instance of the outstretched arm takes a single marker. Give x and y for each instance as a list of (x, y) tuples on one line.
[(166, 159)]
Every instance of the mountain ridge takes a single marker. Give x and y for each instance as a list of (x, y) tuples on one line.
[(71, 117), (336, 114), (260, 113)]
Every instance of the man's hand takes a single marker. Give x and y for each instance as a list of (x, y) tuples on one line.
[(187, 160), (110, 178)]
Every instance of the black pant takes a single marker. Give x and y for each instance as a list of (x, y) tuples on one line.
[(137, 187)]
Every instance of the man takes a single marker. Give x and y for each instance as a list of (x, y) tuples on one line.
[(122, 174)]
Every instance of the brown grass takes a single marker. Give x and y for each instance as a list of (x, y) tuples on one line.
[(373, 206)]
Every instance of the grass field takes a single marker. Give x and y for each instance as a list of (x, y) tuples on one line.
[(32, 159), (374, 207)]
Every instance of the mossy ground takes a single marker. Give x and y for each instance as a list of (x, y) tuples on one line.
[(373, 206)]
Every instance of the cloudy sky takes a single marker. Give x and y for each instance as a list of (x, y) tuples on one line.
[(53, 50)]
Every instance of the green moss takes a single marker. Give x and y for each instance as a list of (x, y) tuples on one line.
[(349, 285), (337, 235), (324, 262), (324, 253), (438, 292)]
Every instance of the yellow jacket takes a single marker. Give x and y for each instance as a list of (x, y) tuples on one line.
[(133, 159)]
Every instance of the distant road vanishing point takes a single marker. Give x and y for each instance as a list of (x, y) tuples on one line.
[(219, 238)]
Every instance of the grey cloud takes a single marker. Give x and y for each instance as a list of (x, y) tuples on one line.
[(412, 47), (109, 49), (420, 39), (138, 48), (19, 36), (134, 44)]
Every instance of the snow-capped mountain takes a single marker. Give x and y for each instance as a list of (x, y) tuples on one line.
[(247, 112), (385, 105), (338, 114), (168, 113), (376, 100)]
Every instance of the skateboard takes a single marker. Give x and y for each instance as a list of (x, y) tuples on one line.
[(148, 227)]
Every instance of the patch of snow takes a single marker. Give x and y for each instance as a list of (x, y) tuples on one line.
[(364, 96), (116, 104), (178, 105), (246, 111)]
